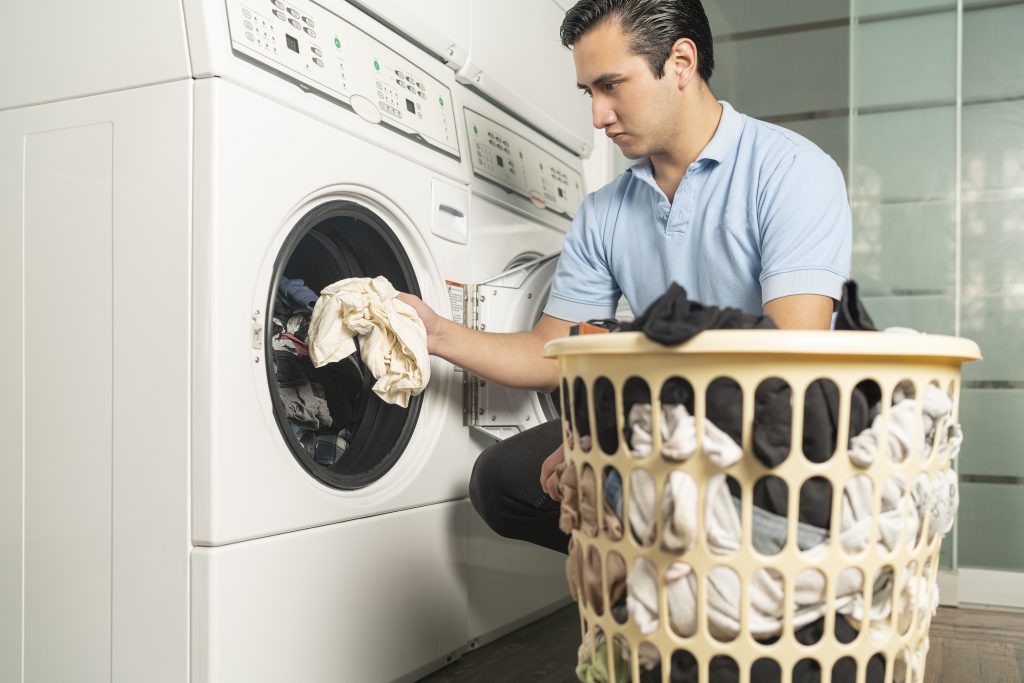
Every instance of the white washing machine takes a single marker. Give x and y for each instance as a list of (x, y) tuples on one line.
[(159, 518), (525, 191)]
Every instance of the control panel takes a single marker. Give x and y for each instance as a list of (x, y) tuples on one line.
[(521, 166), (308, 43)]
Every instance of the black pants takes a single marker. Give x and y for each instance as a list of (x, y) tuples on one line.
[(505, 488)]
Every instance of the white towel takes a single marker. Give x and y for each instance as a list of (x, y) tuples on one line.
[(392, 338)]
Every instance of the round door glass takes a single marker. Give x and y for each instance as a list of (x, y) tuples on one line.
[(335, 425)]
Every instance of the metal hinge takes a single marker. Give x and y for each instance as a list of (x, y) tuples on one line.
[(470, 382), (470, 400)]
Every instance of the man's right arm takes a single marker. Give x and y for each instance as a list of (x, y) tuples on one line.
[(514, 359)]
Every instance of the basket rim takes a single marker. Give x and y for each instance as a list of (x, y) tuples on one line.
[(775, 343)]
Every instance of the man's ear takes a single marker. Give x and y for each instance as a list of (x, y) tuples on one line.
[(682, 62)]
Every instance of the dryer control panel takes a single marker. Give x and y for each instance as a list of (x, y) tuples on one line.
[(521, 166), (307, 43)]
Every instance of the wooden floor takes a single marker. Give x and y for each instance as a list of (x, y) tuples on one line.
[(967, 646)]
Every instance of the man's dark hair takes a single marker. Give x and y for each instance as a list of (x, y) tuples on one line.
[(652, 27)]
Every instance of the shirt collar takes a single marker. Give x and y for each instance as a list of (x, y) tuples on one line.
[(724, 141)]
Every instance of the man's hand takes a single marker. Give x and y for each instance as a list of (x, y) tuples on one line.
[(548, 476), (431, 320), (514, 359)]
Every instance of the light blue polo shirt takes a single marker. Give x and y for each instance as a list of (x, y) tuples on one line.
[(762, 213)]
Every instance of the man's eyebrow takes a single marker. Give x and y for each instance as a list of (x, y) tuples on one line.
[(600, 80)]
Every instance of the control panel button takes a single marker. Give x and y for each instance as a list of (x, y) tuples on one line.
[(308, 22), (317, 51), (294, 12), (310, 32), (246, 13), (280, 15), (295, 24), (319, 62), (278, 4)]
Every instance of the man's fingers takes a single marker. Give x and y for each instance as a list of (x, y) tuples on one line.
[(552, 488)]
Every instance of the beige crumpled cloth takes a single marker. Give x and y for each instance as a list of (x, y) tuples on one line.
[(392, 338)]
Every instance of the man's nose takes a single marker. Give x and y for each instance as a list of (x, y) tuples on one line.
[(603, 114)]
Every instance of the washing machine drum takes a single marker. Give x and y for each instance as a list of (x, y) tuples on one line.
[(337, 428)]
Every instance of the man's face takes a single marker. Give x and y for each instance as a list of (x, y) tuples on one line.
[(639, 112)]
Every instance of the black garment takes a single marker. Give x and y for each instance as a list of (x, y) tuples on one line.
[(345, 387), (725, 670), (673, 318), (348, 389), (771, 441), (851, 314), (505, 488)]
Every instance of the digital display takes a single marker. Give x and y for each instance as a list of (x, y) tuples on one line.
[(411, 106), (501, 162), (293, 43)]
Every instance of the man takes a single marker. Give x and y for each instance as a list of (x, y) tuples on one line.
[(740, 212)]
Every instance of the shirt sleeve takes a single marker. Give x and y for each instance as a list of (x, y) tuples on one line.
[(806, 228), (584, 287)]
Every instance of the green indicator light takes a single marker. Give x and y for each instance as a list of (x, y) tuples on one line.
[(542, 167), (376, 65), (440, 100), (475, 131), (337, 41), (520, 155)]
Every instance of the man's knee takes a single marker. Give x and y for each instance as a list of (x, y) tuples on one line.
[(487, 484)]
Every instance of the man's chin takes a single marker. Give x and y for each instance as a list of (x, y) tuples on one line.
[(629, 147), (631, 152)]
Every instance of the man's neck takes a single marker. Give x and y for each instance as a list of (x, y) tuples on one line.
[(698, 127)]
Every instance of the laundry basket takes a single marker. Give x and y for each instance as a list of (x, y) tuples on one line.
[(801, 545)]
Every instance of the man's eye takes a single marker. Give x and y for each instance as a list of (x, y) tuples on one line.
[(610, 87)]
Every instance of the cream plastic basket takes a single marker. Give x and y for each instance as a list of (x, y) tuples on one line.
[(886, 361)]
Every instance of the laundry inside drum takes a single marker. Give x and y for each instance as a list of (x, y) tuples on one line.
[(337, 428)]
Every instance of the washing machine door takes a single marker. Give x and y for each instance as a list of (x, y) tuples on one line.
[(510, 302), (339, 430)]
